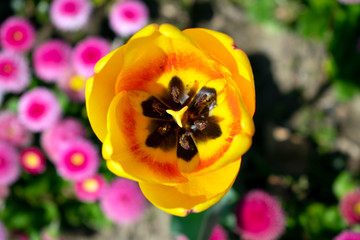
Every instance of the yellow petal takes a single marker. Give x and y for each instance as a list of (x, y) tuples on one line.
[(222, 47), (100, 90), (198, 194)]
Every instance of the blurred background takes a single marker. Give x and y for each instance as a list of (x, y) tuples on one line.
[(303, 165)]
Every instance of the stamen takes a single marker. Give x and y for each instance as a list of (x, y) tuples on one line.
[(156, 108), (184, 143), (175, 93), (200, 124), (164, 128)]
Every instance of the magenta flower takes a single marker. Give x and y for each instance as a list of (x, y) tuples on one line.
[(348, 235), (123, 202), (218, 233), (3, 232), (70, 15), (12, 131), (73, 86), (78, 159), (127, 17), (90, 189), (33, 161), (51, 60), (260, 216), (9, 164), (54, 138), (39, 109), (17, 34), (87, 53), (14, 72), (350, 207)]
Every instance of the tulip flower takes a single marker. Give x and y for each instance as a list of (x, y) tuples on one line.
[(174, 112)]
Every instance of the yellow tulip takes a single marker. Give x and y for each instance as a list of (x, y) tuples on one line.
[(174, 110)]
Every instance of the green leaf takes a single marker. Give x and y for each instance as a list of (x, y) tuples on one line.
[(343, 183)]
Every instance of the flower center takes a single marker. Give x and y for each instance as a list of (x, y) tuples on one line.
[(90, 185), (357, 208), (77, 83), (7, 68), (18, 36), (77, 159), (180, 118), (32, 160)]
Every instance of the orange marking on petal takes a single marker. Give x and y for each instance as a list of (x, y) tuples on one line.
[(164, 168)]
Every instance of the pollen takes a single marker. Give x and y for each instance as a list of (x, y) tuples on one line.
[(18, 36), (77, 83), (357, 208), (32, 160), (90, 185), (77, 159)]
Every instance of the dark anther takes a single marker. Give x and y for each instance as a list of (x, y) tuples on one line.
[(200, 125), (164, 128), (156, 108), (200, 100), (184, 143), (175, 93)]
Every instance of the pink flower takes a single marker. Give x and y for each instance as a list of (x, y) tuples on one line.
[(87, 53), (348, 235), (73, 86), (127, 17), (90, 189), (54, 138), (12, 131), (3, 232), (39, 109), (17, 34), (14, 72), (182, 237), (70, 15), (350, 207), (260, 216), (123, 202), (51, 60), (33, 160), (218, 233), (9, 164), (77, 160)]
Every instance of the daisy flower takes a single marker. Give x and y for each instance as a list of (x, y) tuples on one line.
[(55, 137), (87, 53), (70, 15), (127, 17), (78, 159), (90, 189), (9, 164), (33, 160), (12, 131), (39, 109), (51, 60), (123, 202), (260, 217), (14, 72), (17, 34), (350, 207)]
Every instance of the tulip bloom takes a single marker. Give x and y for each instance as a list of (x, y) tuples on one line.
[(174, 112)]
